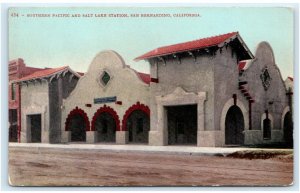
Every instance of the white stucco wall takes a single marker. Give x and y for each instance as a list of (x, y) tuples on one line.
[(273, 99), (35, 100), (124, 84)]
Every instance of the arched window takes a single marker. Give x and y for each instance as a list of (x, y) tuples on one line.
[(267, 128), (267, 125)]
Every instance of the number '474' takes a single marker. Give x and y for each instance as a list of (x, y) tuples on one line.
[(14, 14)]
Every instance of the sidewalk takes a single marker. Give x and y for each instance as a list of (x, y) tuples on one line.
[(138, 148)]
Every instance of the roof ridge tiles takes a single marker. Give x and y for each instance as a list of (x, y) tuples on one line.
[(42, 73), (185, 46)]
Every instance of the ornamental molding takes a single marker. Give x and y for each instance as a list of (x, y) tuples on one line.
[(100, 76)]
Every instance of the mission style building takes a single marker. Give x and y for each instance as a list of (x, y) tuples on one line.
[(209, 92)]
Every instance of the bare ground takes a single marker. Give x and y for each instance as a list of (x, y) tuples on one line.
[(61, 167)]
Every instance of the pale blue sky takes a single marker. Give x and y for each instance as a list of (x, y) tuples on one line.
[(53, 42)]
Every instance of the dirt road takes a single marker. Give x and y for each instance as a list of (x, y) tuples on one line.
[(59, 167)]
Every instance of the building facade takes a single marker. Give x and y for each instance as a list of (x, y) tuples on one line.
[(110, 104), (237, 98), (41, 95), (210, 92)]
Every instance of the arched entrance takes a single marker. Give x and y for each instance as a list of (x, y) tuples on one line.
[(234, 126), (77, 127), (138, 126), (78, 123), (105, 122), (105, 125), (288, 129), (137, 122)]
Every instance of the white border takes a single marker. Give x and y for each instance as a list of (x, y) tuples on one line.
[(248, 3)]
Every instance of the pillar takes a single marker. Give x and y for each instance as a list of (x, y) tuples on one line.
[(91, 136), (122, 137)]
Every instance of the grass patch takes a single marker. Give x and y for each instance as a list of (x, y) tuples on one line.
[(262, 154)]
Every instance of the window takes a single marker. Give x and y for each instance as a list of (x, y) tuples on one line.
[(265, 78), (267, 128), (140, 124), (105, 78), (13, 91)]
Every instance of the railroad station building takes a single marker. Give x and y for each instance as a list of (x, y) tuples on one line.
[(209, 92), (40, 99), (110, 104)]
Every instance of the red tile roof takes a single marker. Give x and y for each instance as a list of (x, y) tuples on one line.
[(186, 46), (43, 73), (145, 77)]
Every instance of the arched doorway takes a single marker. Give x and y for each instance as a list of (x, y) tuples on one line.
[(105, 125), (288, 129), (137, 122), (78, 123), (77, 127), (234, 126), (105, 122), (138, 126)]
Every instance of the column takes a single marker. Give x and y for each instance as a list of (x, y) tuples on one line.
[(121, 137)]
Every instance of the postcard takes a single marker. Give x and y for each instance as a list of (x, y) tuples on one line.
[(150, 96)]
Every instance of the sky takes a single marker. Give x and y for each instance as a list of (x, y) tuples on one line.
[(75, 41)]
